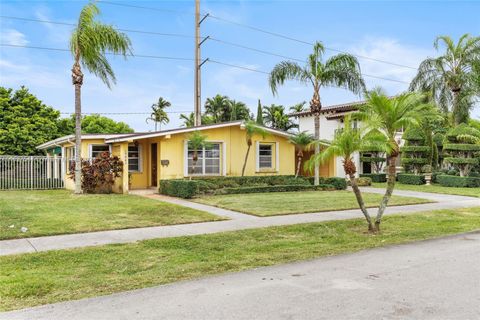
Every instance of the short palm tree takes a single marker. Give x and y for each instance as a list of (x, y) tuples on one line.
[(237, 111), (251, 128), (451, 77), (299, 107), (89, 43), (346, 143), (159, 115), (196, 141), (188, 120), (269, 114), (301, 141), (342, 70), (388, 115)]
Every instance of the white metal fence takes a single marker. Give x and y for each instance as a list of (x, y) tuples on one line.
[(39, 172)]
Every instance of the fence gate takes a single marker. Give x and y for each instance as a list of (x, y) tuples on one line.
[(39, 172)]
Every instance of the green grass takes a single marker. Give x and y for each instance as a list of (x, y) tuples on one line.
[(278, 203), (60, 212), (435, 188), (46, 277)]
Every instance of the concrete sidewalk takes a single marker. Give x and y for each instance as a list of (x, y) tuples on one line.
[(239, 221), (434, 279)]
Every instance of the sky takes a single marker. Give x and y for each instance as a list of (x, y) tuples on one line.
[(398, 32)]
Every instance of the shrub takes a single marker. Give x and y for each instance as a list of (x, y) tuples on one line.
[(277, 188), (458, 182), (376, 177), (435, 176), (415, 153), (460, 148), (179, 188), (337, 182), (407, 178), (362, 182)]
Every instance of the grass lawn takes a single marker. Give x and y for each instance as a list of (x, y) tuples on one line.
[(435, 188), (278, 203), (60, 211), (46, 277)]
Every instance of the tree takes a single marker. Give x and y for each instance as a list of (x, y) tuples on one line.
[(159, 115), (93, 123), (216, 107), (415, 152), (276, 118), (237, 110), (25, 122), (301, 141), (259, 119), (462, 148), (251, 129), (452, 77), (388, 115), (345, 144), (299, 107), (189, 120), (196, 142), (342, 70), (89, 43)]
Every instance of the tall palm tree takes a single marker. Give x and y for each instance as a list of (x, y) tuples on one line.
[(159, 115), (251, 128), (388, 115), (451, 77), (342, 70), (216, 106), (346, 143), (89, 42), (301, 141), (237, 111), (188, 121)]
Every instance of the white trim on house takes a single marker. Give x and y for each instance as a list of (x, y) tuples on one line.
[(140, 158), (224, 155), (222, 162), (277, 156), (71, 138), (91, 145), (257, 156)]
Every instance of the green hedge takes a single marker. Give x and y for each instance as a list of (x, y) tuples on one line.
[(407, 178), (337, 182), (458, 182), (179, 188), (407, 161), (234, 182), (376, 177), (453, 160), (278, 188), (461, 147), (373, 159), (415, 148)]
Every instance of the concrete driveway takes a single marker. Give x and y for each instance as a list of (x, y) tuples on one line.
[(436, 279)]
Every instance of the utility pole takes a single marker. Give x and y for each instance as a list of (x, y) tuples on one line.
[(198, 65)]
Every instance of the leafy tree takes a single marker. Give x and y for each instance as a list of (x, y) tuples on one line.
[(236, 111), (159, 115), (251, 129), (452, 77), (276, 118), (89, 42), (415, 152), (345, 144), (196, 141), (301, 141), (342, 70), (189, 120), (93, 123), (216, 107), (390, 115), (259, 119), (299, 107), (25, 122)]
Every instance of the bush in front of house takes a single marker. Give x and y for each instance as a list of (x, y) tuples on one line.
[(277, 188), (458, 182), (407, 178), (337, 182), (179, 188), (376, 177), (235, 182)]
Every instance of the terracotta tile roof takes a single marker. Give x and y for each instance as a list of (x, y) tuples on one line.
[(334, 108)]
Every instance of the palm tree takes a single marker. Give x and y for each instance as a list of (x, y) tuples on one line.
[(89, 42), (388, 115), (346, 143), (188, 121), (216, 106), (159, 115), (451, 77), (237, 110), (301, 140), (269, 114), (342, 70), (299, 107), (196, 141), (251, 129)]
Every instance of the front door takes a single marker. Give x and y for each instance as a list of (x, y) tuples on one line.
[(153, 153)]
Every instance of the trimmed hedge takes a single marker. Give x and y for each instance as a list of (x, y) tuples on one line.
[(337, 182), (462, 147), (411, 148), (234, 182), (409, 161), (376, 177), (179, 188), (458, 182), (407, 178), (278, 188), (453, 160)]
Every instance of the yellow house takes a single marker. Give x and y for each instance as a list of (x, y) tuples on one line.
[(158, 155)]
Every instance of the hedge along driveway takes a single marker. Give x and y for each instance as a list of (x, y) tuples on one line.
[(61, 212), (280, 203)]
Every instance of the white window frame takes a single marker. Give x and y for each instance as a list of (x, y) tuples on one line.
[(275, 166), (222, 160), (140, 158), (90, 148)]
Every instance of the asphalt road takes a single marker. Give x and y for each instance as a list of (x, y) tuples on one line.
[(436, 279)]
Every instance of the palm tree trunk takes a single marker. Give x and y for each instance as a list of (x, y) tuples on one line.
[(299, 163), (317, 147), (246, 158), (155, 125), (392, 163), (360, 201), (458, 116), (77, 80)]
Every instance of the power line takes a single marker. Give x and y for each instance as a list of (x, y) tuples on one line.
[(145, 8)]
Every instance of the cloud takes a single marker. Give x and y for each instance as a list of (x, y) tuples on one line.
[(13, 37), (55, 33)]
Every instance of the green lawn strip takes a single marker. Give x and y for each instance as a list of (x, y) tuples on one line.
[(39, 278), (434, 188), (61, 212), (281, 203)]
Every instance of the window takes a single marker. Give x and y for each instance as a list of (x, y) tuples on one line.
[(97, 149), (134, 158), (265, 156), (208, 162)]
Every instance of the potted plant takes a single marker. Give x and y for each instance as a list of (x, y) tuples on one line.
[(427, 170)]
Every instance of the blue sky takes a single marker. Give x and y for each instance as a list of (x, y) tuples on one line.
[(394, 31)]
